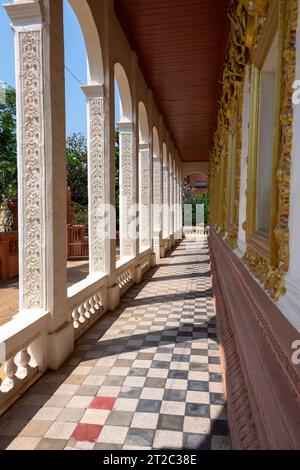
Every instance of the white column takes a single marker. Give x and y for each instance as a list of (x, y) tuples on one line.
[(180, 206), (113, 291), (128, 196), (166, 201), (42, 169), (145, 195), (171, 203), (175, 194), (157, 206), (96, 178)]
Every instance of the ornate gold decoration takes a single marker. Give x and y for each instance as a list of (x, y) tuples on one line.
[(271, 277), (271, 270), (247, 19), (286, 121)]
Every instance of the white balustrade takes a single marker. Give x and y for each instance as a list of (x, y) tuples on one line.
[(22, 354), (194, 233)]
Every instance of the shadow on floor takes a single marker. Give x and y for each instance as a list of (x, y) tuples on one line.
[(89, 348)]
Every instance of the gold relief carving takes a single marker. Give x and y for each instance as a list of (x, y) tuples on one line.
[(271, 271), (247, 19), (233, 77), (270, 276), (286, 121), (256, 8)]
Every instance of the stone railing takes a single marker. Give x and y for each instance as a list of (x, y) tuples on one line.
[(24, 341), (145, 262), (87, 302), (125, 274), (194, 233), (165, 246), (8, 255), (22, 359)]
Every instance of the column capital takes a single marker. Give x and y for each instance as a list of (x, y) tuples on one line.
[(23, 13), (92, 91), (125, 126)]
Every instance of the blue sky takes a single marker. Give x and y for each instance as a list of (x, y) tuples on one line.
[(75, 61)]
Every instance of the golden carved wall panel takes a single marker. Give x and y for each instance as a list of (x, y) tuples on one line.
[(248, 25)]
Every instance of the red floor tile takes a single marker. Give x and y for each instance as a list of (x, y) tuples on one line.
[(103, 403), (87, 432)]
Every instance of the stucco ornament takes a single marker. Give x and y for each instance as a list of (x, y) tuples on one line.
[(30, 57)]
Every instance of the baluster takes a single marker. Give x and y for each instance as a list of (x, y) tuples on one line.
[(23, 359), (81, 311), (87, 309), (10, 370), (97, 303), (92, 305), (75, 316)]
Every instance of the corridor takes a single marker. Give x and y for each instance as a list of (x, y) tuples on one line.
[(147, 376)]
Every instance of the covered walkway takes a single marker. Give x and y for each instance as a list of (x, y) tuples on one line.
[(147, 375)]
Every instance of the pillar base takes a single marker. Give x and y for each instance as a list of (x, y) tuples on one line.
[(60, 346), (113, 297), (153, 262), (138, 274)]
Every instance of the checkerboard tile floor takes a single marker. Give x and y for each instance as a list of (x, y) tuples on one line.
[(147, 376)]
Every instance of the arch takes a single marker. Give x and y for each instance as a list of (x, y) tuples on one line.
[(156, 147), (124, 94), (199, 175), (144, 135), (91, 39), (194, 167)]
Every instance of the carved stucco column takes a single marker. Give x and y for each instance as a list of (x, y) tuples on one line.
[(166, 201), (171, 203), (157, 206), (128, 196), (42, 170), (96, 178), (179, 202), (28, 35), (145, 195), (175, 194)]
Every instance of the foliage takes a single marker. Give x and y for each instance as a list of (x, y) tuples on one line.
[(197, 199), (76, 152), (8, 147), (188, 191), (81, 215)]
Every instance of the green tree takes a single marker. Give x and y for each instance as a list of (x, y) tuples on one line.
[(8, 146), (76, 151), (191, 197)]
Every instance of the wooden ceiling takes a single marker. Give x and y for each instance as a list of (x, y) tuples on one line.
[(181, 46)]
